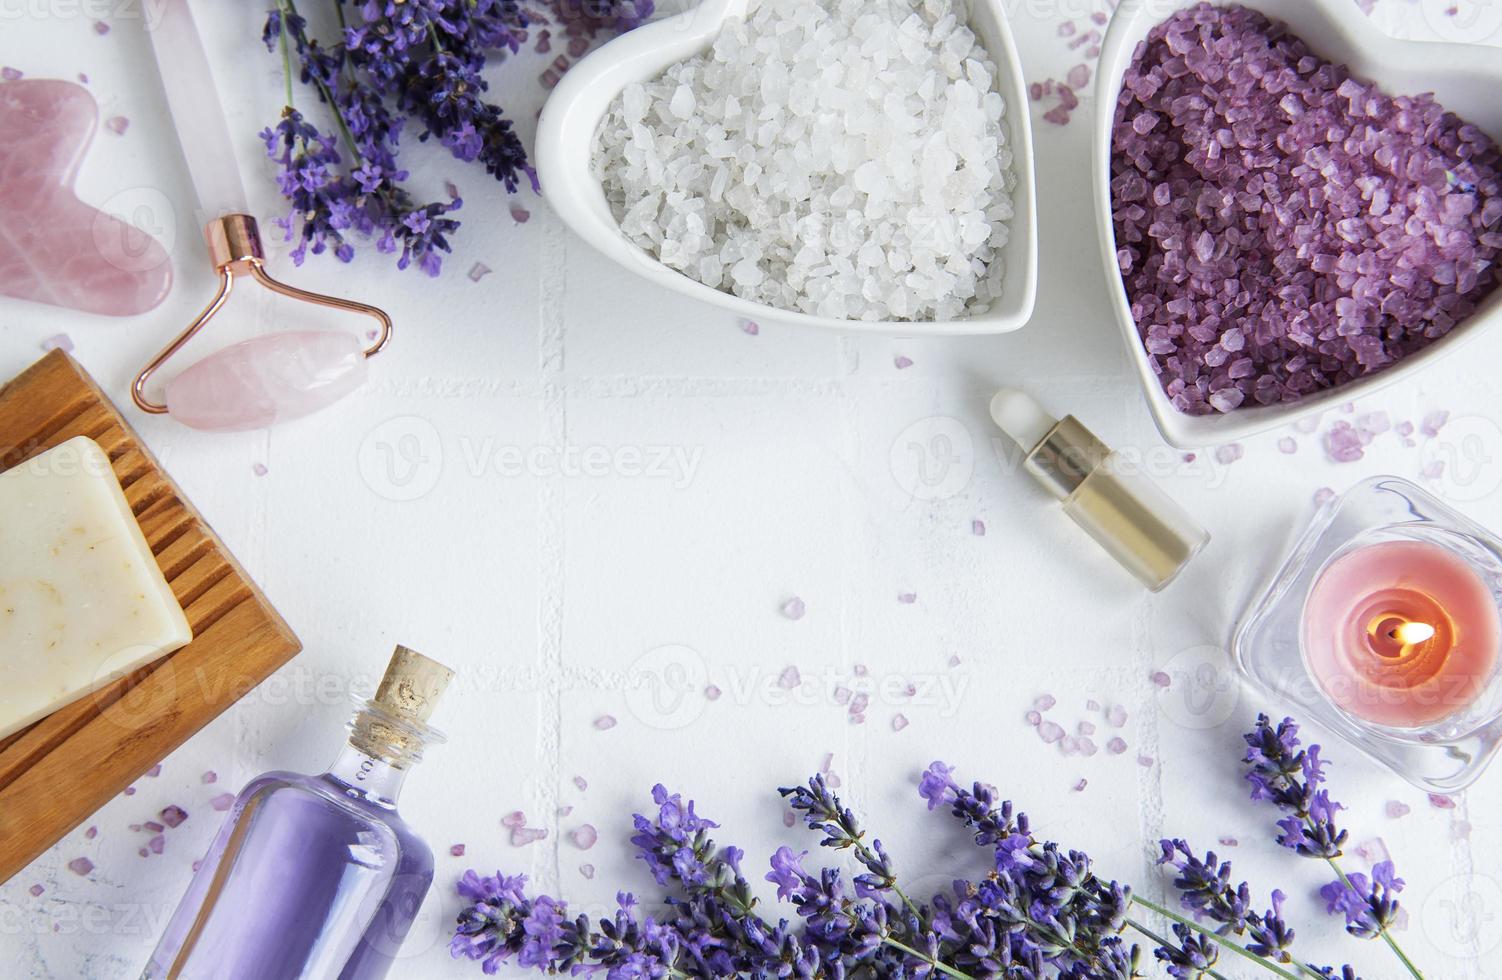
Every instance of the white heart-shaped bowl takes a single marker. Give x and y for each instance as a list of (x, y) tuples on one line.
[(566, 132), (1465, 78)]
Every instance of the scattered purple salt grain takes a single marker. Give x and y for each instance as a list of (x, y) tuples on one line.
[(520, 214), (1086, 728), (1092, 705), (1323, 496), (1229, 842), (152, 826), (1373, 851), (1050, 732), (1117, 745), (899, 722), (1035, 91), (1079, 787), (173, 816), (157, 844), (1058, 115), (907, 598), (1100, 18), (196, 865), (911, 691), (861, 670), (1067, 29), (1161, 679), (789, 818), (1145, 761), (1092, 52), (587, 870), (59, 341), (1461, 830), (101, 28), (36, 890), (10, 74), (91, 833), (1397, 809), (154, 771), (1044, 702), (564, 811), (457, 850), (794, 608), (117, 125), (978, 528), (1433, 422), (1440, 802), (902, 362), (1033, 718), (859, 703), (954, 660), (1229, 453), (584, 837), (1343, 444), (1078, 77), (259, 469), (751, 327), (1085, 746), (129, 791), (712, 692), (479, 271), (1433, 470), (1349, 229), (581, 783), (1116, 716), (143, 852), (522, 836), (514, 819), (789, 678), (605, 723), (841, 694), (1287, 445)]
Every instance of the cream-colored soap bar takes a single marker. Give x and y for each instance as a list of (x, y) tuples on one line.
[(82, 600)]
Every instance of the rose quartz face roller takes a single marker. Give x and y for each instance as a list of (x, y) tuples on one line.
[(265, 380)]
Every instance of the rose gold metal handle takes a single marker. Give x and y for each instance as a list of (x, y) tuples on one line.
[(234, 244)]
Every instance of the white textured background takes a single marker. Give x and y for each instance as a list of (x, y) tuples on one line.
[(802, 464)]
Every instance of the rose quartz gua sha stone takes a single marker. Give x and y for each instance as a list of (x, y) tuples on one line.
[(54, 248)]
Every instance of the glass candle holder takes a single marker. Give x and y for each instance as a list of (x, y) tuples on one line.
[(1384, 624)]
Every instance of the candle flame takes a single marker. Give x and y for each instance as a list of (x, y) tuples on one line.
[(1411, 633)]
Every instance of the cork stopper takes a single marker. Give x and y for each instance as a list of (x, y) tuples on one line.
[(393, 726), (412, 685)]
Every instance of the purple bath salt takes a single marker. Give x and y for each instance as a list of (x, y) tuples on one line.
[(1283, 227), (80, 866), (581, 783), (1161, 679), (522, 836), (1050, 732), (173, 816), (1033, 718), (36, 890), (457, 850), (1397, 809), (899, 722), (222, 802), (1116, 715), (907, 598), (1116, 745), (605, 722), (794, 608), (1287, 445), (1433, 422), (514, 819), (713, 692), (789, 818), (1045, 702), (789, 679), (585, 837)]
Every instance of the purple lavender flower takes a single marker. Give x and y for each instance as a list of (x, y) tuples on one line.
[(1290, 778), (1206, 891), (1192, 959), (1369, 907)]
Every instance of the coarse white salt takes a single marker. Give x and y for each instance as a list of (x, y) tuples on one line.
[(843, 158)]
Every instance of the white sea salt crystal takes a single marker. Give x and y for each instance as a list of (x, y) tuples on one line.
[(843, 159)]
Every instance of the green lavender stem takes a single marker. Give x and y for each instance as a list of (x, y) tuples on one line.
[(1261, 961)]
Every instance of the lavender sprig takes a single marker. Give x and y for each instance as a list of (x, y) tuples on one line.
[(1292, 778)]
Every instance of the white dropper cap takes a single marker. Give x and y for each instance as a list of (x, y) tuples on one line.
[(1021, 418)]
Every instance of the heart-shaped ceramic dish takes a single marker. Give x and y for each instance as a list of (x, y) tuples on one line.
[(565, 139), (1465, 78)]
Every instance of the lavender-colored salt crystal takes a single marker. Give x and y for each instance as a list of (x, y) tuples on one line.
[(80, 866), (899, 722), (514, 819), (1116, 715), (584, 837), (1050, 732), (1044, 702), (605, 722), (1396, 809), (1033, 718), (36, 890), (1433, 422), (581, 783), (1117, 745), (173, 816), (794, 608), (789, 678), (1161, 679), (522, 836), (1288, 445), (1283, 228), (222, 802)]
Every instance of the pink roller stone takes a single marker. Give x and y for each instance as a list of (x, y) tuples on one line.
[(265, 380), (54, 248)]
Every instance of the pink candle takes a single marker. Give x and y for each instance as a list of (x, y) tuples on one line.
[(1401, 633)]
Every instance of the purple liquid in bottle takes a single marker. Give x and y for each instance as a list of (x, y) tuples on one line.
[(310, 877)]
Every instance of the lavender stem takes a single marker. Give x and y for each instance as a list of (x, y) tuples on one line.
[(1261, 961)]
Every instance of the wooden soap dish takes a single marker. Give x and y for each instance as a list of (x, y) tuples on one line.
[(56, 773)]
